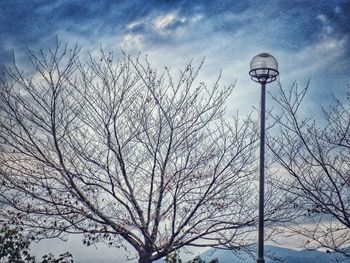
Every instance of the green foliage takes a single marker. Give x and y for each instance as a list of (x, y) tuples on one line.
[(14, 248), (62, 258), (197, 260), (173, 257)]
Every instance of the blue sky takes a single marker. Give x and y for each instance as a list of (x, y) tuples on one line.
[(310, 38)]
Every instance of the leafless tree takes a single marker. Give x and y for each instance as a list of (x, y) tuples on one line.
[(121, 152), (316, 156)]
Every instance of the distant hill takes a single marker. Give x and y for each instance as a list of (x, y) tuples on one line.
[(281, 255)]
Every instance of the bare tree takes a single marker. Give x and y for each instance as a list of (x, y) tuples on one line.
[(120, 152), (317, 158)]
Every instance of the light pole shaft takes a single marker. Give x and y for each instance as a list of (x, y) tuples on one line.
[(262, 176)]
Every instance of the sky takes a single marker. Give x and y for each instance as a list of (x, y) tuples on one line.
[(310, 39)]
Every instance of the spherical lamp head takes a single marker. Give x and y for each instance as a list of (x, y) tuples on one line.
[(263, 68)]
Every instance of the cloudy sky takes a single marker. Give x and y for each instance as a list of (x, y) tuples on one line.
[(310, 39)]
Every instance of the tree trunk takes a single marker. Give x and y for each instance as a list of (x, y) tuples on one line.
[(145, 259)]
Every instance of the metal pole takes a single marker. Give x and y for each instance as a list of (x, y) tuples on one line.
[(262, 176)]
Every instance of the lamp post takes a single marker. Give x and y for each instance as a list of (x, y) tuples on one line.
[(263, 69)]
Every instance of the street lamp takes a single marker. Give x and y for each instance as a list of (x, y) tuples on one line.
[(263, 69)]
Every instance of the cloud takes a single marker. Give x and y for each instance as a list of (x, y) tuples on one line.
[(132, 41), (305, 40), (330, 48), (337, 10), (164, 27), (162, 22)]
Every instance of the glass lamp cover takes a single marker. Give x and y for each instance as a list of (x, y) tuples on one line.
[(263, 68), (264, 61)]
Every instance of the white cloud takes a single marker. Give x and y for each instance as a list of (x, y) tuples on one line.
[(162, 22), (336, 46), (132, 25), (327, 28), (322, 18), (196, 18), (337, 10), (308, 61), (327, 50), (133, 41)]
